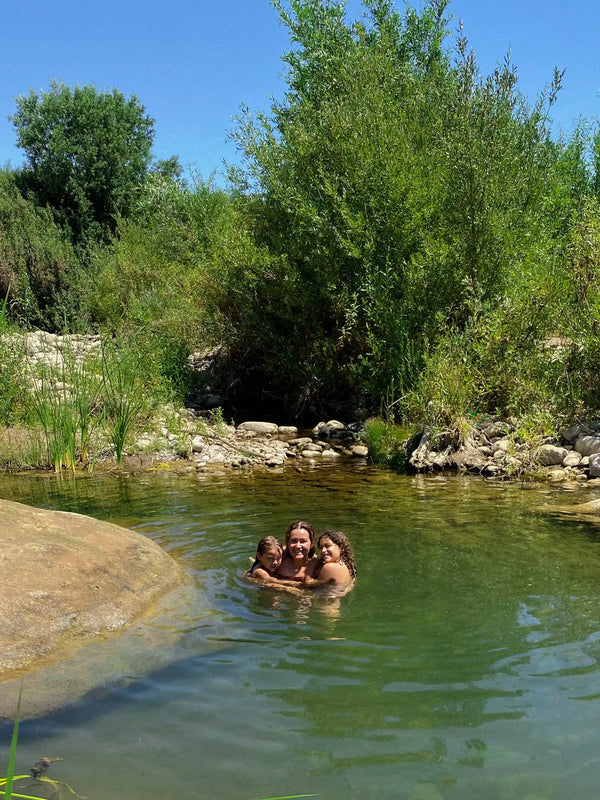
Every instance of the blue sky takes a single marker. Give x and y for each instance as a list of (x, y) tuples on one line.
[(193, 63)]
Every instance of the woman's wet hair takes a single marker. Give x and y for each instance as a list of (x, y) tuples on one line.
[(304, 526), (346, 553)]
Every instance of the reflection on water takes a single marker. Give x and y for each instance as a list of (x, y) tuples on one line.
[(464, 664)]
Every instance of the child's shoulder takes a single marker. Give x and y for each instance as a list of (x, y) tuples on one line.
[(259, 572)]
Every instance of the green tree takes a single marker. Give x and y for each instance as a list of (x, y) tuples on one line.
[(87, 153), (38, 269), (406, 195)]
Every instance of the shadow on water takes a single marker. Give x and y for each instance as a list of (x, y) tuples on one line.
[(464, 664)]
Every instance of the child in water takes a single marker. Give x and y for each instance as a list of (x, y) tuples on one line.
[(269, 554), (336, 566)]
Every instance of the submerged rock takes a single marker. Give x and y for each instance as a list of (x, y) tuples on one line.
[(67, 577), (592, 508)]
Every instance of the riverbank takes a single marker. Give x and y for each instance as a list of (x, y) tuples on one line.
[(186, 442), (490, 450), (75, 390)]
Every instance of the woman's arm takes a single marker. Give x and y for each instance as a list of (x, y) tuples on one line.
[(262, 577)]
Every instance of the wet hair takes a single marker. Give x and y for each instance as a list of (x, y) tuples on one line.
[(346, 554), (265, 544), (304, 526)]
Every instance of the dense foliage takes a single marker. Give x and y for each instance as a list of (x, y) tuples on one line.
[(87, 153), (421, 210), (404, 235), (37, 264)]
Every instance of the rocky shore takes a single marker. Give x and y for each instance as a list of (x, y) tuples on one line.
[(493, 449), (251, 444), (490, 449), (199, 438)]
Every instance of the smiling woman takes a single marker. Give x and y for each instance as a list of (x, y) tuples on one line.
[(299, 560)]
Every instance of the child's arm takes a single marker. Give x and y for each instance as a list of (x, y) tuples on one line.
[(260, 574), (330, 574)]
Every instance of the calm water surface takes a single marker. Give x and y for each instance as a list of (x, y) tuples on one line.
[(465, 663)]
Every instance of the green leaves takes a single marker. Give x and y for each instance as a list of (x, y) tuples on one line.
[(87, 154), (408, 194)]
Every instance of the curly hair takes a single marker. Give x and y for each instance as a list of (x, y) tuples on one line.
[(305, 526), (346, 553)]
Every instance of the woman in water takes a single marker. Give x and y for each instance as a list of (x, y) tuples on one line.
[(299, 560), (336, 567)]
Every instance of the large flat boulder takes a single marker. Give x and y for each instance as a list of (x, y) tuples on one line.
[(66, 577)]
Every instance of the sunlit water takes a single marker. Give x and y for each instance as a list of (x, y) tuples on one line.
[(464, 664)]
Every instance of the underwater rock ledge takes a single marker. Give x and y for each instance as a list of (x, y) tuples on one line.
[(67, 578)]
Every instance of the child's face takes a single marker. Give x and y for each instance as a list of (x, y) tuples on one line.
[(270, 559), (329, 550)]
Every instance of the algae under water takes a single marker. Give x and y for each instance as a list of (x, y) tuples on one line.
[(464, 664)]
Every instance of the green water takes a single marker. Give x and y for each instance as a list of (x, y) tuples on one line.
[(464, 664)]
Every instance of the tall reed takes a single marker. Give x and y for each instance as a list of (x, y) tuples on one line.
[(54, 410), (124, 396), (87, 390)]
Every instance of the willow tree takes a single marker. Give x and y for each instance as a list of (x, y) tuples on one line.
[(400, 191)]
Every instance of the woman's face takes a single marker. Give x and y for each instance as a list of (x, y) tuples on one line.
[(270, 559), (299, 544), (329, 550)]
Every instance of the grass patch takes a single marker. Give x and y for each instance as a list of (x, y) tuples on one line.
[(387, 442)]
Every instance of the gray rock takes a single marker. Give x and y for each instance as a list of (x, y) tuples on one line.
[(558, 474), (308, 454), (595, 465), (198, 444), (469, 457), (303, 440), (360, 451), (548, 455), (573, 432), (331, 428), (503, 444), (572, 459), (587, 445), (329, 453), (495, 430), (258, 427), (287, 430)]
